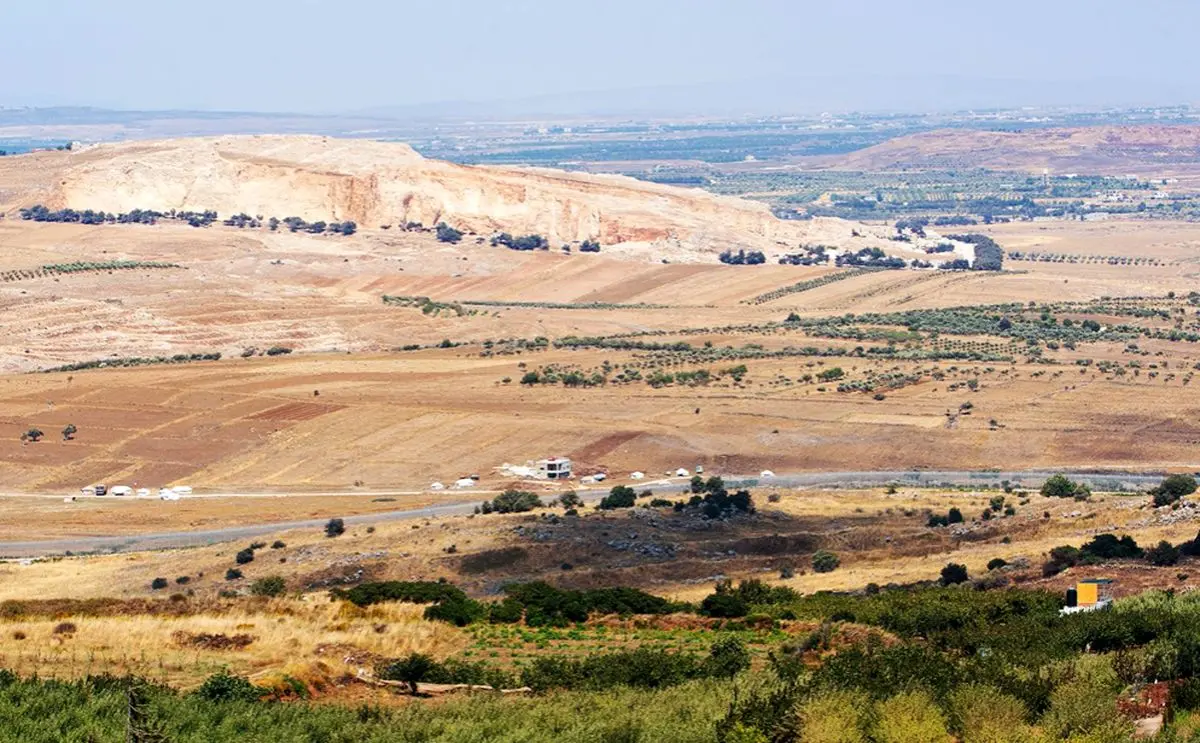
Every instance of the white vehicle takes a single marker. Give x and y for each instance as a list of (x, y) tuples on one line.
[(465, 482), (599, 477), (167, 494), (143, 492), (637, 475), (437, 486), (183, 489), (766, 473), (682, 472), (121, 490), (89, 490)]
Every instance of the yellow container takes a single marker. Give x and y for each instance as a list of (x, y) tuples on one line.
[(1087, 593)]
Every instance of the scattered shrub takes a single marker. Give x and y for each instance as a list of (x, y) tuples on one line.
[(953, 574), (824, 561), (273, 585)]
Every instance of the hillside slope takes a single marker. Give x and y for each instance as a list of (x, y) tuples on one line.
[(1103, 149), (378, 183)]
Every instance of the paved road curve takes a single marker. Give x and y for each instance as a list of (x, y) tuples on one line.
[(1108, 481)]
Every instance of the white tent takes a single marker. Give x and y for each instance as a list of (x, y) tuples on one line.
[(121, 490), (465, 482), (682, 472)]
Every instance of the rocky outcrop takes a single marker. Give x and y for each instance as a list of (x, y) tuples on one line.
[(379, 183)]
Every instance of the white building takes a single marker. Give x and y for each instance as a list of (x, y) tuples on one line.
[(554, 468)]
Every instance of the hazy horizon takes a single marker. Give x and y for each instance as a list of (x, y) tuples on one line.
[(672, 56)]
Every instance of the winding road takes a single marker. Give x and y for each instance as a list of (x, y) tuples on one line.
[(1106, 481)]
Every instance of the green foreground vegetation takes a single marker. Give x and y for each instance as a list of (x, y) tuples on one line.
[(96, 710), (897, 665)]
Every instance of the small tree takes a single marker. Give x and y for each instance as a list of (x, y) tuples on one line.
[(412, 669), (33, 434), (953, 574), (954, 516), (1163, 554), (1058, 486), (68, 433), (335, 528), (570, 499), (244, 556), (824, 561), (728, 657), (1173, 488), (621, 496), (158, 584)]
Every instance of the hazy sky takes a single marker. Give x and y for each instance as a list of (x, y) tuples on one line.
[(340, 55)]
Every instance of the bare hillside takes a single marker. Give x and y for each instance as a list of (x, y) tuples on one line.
[(1104, 150), (378, 183)]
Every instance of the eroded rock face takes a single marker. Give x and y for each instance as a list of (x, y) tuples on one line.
[(377, 183)]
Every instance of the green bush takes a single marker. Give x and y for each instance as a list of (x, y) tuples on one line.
[(1086, 706), (459, 611), (621, 496), (1163, 554), (516, 501), (641, 667), (983, 714), (953, 574), (225, 687), (724, 605), (1058, 486), (335, 527), (244, 556), (833, 717), (727, 658), (910, 717), (412, 592), (824, 561), (273, 585), (1172, 489)]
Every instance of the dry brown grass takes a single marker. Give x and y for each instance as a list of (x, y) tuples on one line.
[(286, 636)]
